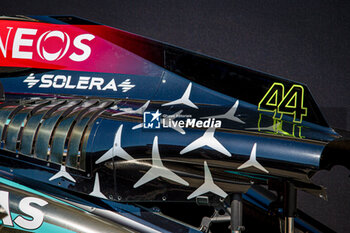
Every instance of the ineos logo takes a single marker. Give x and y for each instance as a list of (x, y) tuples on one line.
[(57, 55), (26, 40)]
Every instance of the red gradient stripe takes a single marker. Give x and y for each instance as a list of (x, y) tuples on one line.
[(112, 50)]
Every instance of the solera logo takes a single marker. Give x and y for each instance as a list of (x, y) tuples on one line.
[(23, 45)]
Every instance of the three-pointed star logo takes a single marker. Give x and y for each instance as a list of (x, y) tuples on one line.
[(158, 169), (185, 99), (208, 185), (116, 149), (209, 140), (252, 162)]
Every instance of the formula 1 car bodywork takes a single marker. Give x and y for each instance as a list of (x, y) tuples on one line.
[(98, 125)]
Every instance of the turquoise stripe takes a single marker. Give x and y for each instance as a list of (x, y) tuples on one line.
[(44, 228), (250, 175)]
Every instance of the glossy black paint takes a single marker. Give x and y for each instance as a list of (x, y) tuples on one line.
[(66, 133), (286, 158)]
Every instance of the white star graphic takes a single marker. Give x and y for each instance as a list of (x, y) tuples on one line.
[(156, 115)]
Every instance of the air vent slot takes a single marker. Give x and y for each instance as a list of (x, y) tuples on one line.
[(33, 124), (17, 123), (50, 130), (75, 157), (6, 114), (42, 149), (62, 133)]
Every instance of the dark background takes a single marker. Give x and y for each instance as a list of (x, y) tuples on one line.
[(305, 41)]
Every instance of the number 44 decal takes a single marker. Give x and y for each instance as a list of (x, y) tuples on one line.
[(291, 103)]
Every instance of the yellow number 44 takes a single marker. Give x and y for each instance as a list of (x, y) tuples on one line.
[(291, 103)]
